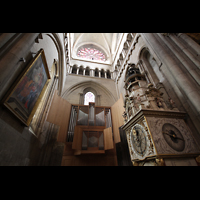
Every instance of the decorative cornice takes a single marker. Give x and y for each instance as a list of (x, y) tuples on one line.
[(127, 57), (152, 113)]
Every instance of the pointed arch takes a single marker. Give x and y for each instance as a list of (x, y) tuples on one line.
[(95, 88)]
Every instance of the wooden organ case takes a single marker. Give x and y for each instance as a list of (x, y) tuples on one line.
[(90, 129)]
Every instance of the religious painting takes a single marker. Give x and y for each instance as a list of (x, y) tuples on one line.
[(26, 94)]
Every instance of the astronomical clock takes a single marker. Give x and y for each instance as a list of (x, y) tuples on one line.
[(156, 131)]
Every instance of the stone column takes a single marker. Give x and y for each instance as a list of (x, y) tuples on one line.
[(189, 89), (7, 40), (143, 71), (111, 74), (185, 49), (10, 66), (105, 74), (190, 42), (5, 37), (190, 66), (77, 70), (83, 72), (93, 72), (70, 69)]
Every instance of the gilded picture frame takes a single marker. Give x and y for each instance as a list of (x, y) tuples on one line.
[(25, 95)]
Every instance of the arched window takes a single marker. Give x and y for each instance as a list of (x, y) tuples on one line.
[(87, 71), (102, 73), (89, 97), (96, 73), (80, 70), (108, 74), (74, 69)]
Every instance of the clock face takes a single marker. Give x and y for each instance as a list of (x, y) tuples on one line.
[(173, 137), (138, 138)]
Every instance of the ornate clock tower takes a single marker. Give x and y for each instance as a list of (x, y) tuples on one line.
[(156, 131)]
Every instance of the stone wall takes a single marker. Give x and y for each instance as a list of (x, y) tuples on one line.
[(76, 84), (18, 145)]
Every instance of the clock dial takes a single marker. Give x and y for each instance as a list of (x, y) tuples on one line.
[(173, 137), (138, 139)]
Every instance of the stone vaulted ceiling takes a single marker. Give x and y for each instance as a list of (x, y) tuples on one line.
[(107, 43)]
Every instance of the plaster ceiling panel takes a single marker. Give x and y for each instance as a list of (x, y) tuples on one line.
[(76, 35), (109, 37), (105, 41), (92, 38)]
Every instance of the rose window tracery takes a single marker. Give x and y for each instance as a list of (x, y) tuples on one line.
[(91, 54)]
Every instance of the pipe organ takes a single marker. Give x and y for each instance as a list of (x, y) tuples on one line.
[(88, 125)]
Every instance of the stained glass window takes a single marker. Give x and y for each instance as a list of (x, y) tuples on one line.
[(89, 97), (91, 53)]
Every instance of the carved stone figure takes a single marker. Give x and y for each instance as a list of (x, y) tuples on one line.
[(159, 102), (138, 98), (125, 117), (172, 103)]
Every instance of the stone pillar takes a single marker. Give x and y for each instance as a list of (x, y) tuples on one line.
[(143, 71), (93, 72), (111, 74), (70, 69), (190, 42), (190, 66), (5, 37), (105, 74), (99, 74), (181, 78), (185, 49), (9, 64), (77, 70), (7, 40), (83, 72)]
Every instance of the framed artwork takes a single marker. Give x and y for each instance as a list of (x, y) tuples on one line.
[(27, 92)]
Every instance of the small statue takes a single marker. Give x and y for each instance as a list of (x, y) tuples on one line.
[(138, 97), (159, 103), (125, 117), (172, 103)]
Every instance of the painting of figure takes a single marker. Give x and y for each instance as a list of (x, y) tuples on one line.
[(23, 98)]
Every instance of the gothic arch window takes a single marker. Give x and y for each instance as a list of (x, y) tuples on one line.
[(92, 95), (74, 69), (102, 73), (96, 73), (129, 38), (89, 97), (125, 45), (87, 71), (108, 74), (150, 66), (80, 70)]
